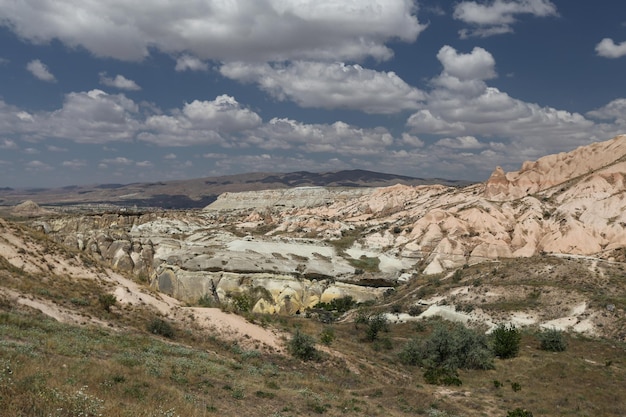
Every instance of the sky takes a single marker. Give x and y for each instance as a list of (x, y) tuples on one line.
[(123, 91)]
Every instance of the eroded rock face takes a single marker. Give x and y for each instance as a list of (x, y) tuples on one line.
[(315, 243)]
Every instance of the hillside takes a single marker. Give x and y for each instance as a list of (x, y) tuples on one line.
[(194, 312), (197, 193)]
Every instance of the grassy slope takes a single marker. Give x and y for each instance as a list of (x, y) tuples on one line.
[(53, 369)]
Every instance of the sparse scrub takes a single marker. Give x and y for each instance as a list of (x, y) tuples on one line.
[(449, 348), (327, 336), (552, 340), (376, 324), (519, 412), (161, 328), (107, 301), (302, 346), (506, 341)]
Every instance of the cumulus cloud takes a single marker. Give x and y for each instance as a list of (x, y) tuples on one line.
[(120, 160), (8, 144), (329, 86), (144, 164), (190, 63), (74, 164), (120, 82), (200, 122), (609, 49), (91, 117), (40, 71), (271, 30), (37, 166), (498, 16), (461, 142), (462, 104), (336, 138), (477, 65)]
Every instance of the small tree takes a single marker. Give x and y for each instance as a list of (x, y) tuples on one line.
[(302, 346), (107, 301), (506, 341), (552, 340), (327, 336), (161, 327), (376, 324)]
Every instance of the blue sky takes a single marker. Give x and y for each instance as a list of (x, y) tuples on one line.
[(121, 91)]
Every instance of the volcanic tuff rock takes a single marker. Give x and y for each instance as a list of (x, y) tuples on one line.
[(302, 243)]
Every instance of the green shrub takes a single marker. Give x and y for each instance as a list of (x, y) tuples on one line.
[(506, 341), (442, 376), (327, 336), (205, 301), (243, 303), (456, 347), (340, 305), (519, 412), (161, 327), (411, 354), (302, 346), (552, 340), (107, 301), (375, 325)]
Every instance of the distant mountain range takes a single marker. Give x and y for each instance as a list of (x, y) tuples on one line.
[(197, 193)]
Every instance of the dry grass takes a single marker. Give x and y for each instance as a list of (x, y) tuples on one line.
[(52, 369)]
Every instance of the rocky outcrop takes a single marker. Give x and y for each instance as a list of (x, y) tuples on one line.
[(306, 244), (286, 198), (553, 170)]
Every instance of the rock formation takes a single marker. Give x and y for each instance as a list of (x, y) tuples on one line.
[(309, 244)]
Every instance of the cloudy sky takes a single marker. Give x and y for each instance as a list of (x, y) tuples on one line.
[(120, 91)]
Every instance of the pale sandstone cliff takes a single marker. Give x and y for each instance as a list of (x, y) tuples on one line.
[(305, 243)]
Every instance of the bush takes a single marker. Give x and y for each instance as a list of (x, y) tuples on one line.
[(327, 336), (302, 346), (162, 328), (506, 341), (456, 347), (411, 354), (107, 301), (519, 412), (375, 325), (552, 340), (205, 301), (442, 376)]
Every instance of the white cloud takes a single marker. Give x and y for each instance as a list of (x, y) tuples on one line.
[(336, 138), (120, 160), (329, 86), (477, 65), (40, 71), (412, 140), (498, 16), (609, 49), (120, 82), (144, 164), (74, 164), (37, 166), (468, 107), (8, 144), (170, 156), (52, 148), (31, 151), (200, 122), (460, 142), (91, 117), (220, 30), (191, 63)]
